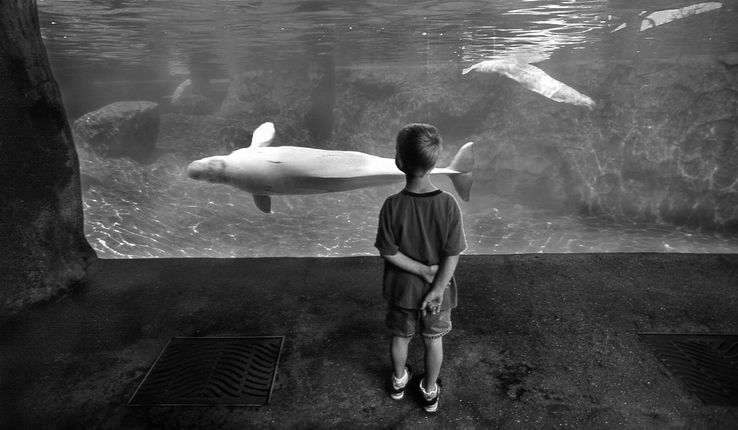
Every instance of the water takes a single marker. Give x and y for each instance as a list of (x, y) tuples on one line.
[(174, 36), (135, 211), (170, 216), (105, 51)]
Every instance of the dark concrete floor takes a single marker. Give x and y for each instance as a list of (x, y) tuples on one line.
[(539, 342)]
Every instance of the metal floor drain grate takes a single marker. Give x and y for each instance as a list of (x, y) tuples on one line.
[(707, 363), (203, 371)]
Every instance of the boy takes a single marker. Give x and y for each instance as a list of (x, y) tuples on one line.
[(420, 236)]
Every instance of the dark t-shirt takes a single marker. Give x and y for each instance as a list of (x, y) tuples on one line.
[(425, 227)]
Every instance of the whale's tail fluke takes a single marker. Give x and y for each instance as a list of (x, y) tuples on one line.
[(463, 162)]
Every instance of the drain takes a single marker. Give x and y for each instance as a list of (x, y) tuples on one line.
[(192, 371), (706, 363)]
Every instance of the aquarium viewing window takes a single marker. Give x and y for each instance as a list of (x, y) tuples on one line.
[(597, 126)]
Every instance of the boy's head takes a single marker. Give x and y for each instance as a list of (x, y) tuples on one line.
[(418, 149)]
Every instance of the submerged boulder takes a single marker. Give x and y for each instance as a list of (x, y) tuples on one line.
[(301, 94), (193, 104), (121, 129), (233, 138)]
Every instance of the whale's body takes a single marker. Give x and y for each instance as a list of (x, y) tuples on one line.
[(661, 17), (184, 89), (534, 79), (264, 171)]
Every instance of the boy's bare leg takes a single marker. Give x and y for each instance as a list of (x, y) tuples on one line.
[(433, 361), (398, 354)]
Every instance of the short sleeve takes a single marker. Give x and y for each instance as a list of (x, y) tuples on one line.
[(456, 242), (386, 242)]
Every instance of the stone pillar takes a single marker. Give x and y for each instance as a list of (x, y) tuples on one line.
[(43, 249)]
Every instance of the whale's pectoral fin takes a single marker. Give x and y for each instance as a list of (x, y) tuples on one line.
[(264, 203)]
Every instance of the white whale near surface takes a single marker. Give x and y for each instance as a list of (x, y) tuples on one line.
[(184, 89), (534, 79), (665, 16), (264, 171), (668, 15)]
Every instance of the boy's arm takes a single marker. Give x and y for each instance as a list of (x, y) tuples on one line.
[(434, 298), (415, 267)]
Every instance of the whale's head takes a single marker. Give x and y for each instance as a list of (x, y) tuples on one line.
[(244, 169), (211, 169)]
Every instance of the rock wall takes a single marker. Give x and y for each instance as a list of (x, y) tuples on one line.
[(44, 250), (300, 93), (664, 144), (661, 145)]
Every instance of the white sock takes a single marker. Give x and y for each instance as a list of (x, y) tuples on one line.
[(432, 393)]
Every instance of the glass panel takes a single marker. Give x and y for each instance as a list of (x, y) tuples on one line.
[(599, 126)]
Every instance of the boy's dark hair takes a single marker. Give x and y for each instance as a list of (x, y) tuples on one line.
[(419, 147)]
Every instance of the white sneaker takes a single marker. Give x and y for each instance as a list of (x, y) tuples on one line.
[(430, 400), (398, 385)]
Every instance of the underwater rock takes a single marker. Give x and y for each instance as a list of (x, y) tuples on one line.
[(265, 94), (300, 96), (729, 59), (233, 138), (42, 228), (516, 174), (672, 99), (193, 104), (715, 106), (121, 129), (372, 104)]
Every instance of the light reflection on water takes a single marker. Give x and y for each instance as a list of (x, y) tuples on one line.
[(178, 35), (134, 211)]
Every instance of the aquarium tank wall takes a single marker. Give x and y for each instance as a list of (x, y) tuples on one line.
[(598, 126)]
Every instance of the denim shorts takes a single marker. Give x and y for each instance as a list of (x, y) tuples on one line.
[(406, 322)]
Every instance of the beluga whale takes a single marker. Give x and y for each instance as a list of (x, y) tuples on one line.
[(264, 171), (534, 79)]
